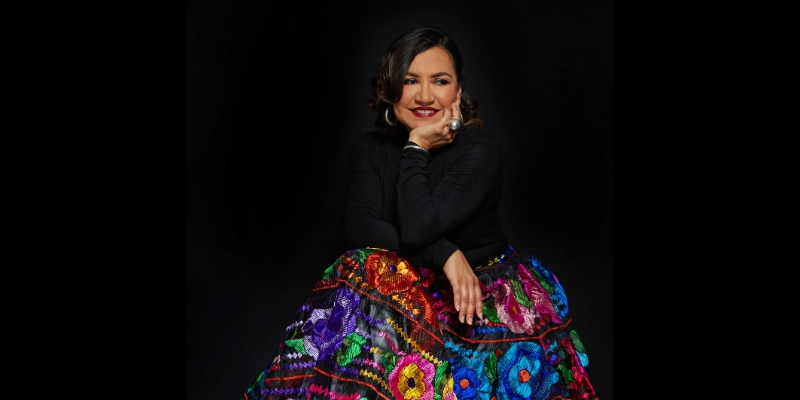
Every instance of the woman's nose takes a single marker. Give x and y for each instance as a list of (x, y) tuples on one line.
[(425, 95)]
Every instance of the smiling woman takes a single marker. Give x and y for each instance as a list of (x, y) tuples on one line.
[(431, 301), (430, 86)]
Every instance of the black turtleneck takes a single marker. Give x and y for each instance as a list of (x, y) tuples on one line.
[(425, 205)]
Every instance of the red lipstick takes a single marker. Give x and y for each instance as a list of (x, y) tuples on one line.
[(424, 112)]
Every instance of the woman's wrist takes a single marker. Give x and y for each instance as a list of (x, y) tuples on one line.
[(412, 145)]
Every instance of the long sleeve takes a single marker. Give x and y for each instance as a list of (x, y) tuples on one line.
[(371, 204), (428, 210), (366, 204), (436, 254)]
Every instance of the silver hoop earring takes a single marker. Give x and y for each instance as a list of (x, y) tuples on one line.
[(386, 117)]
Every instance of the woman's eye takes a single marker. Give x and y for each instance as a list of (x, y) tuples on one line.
[(441, 82), (409, 81)]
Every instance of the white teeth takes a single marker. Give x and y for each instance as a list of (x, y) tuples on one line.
[(424, 111)]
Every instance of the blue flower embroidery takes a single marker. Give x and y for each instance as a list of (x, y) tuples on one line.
[(470, 380), (524, 373)]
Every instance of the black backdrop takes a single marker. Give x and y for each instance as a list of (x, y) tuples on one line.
[(275, 97)]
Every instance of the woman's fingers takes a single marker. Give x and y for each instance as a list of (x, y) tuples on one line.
[(475, 302), (455, 113), (477, 298), (460, 298), (480, 303), (467, 295), (437, 133), (469, 302), (444, 125)]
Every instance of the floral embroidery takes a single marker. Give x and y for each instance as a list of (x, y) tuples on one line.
[(447, 391), (517, 317), (524, 373), (578, 360), (392, 346), (327, 328), (469, 379), (523, 305), (550, 283), (389, 273), (412, 378), (537, 295)]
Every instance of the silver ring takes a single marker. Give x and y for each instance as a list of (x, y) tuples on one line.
[(454, 125)]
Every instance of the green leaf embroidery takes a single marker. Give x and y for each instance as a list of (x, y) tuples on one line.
[(297, 345), (519, 293), (490, 312), (490, 367)]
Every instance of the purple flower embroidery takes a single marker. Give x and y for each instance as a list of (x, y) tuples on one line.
[(325, 330)]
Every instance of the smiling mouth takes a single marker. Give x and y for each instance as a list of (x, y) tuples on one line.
[(419, 112)]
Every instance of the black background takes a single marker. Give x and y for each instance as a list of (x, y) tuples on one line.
[(275, 97)]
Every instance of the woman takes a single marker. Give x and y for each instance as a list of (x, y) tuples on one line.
[(431, 302)]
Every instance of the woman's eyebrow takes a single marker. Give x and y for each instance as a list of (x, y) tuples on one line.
[(436, 75)]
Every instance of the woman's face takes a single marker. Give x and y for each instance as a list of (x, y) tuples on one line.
[(429, 87)]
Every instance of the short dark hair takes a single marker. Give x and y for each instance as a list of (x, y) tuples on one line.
[(386, 87)]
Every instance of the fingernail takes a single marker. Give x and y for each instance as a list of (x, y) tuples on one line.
[(457, 308), (480, 316), (462, 319), (469, 321)]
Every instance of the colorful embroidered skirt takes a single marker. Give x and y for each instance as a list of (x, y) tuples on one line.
[(376, 327)]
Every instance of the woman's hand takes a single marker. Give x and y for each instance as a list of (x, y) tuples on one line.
[(438, 133), (467, 296)]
